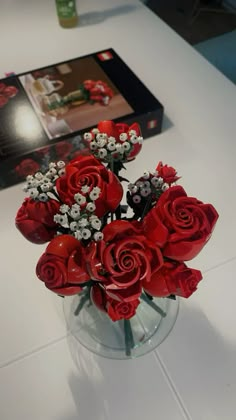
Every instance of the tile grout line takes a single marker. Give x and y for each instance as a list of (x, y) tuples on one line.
[(172, 386), (34, 351), (218, 265)]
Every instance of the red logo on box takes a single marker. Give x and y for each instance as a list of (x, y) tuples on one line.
[(104, 56), (151, 124)]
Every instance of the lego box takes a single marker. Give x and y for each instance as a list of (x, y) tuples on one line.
[(44, 112)]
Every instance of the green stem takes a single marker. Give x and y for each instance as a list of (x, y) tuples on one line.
[(153, 305), (129, 338), (83, 300)]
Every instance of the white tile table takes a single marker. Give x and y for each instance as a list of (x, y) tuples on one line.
[(44, 375)]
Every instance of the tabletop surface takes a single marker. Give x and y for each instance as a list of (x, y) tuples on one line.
[(44, 374)]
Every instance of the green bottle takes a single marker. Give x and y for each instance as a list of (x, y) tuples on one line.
[(67, 13)]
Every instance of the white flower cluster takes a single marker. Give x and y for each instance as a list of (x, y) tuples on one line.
[(106, 147), (149, 183), (80, 218), (39, 185)]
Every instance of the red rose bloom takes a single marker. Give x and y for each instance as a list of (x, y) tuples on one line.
[(168, 173), (35, 221), (10, 91), (27, 167), (114, 130), (62, 266), (121, 310), (86, 170), (3, 101), (173, 278), (179, 224), (115, 309), (123, 258)]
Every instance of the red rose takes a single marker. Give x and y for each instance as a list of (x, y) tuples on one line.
[(35, 221), (121, 310), (63, 149), (179, 224), (10, 91), (27, 167), (114, 130), (86, 170), (173, 278), (3, 101), (115, 309), (123, 258), (168, 173), (62, 266)]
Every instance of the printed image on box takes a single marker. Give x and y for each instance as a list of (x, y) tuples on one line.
[(71, 96)]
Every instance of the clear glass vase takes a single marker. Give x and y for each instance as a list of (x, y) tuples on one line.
[(122, 339)]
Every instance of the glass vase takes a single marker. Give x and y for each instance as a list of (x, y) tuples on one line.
[(121, 339)]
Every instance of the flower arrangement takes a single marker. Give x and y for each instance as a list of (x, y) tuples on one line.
[(6, 92), (95, 247)]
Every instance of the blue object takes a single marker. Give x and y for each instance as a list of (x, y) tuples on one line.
[(221, 52)]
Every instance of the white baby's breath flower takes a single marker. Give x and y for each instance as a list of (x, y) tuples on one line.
[(132, 133), (130, 186), (96, 224), (64, 208), (98, 236), (119, 148), (75, 211), (146, 175), (52, 165), (140, 184), (31, 183), (78, 235), (85, 189), (88, 136), (61, 171), (111, 146), (43, 197), (86, 234), (90, 207), (134, 139), (39, 176), (73, 226), (165, 186), (61, 164), (146, 184), (95, 131), (102, 153), (111, 139), (29, 178), (93, 195), (136, 199), (79, 198), (93, 145), (145, 192), (101, 136), (83, 222), (156, 182), (47, 186), (96, 190), (33, 193), (126, 146), (123, 137), (61, 219)]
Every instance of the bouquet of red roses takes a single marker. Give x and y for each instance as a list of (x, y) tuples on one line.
[(94, 245)]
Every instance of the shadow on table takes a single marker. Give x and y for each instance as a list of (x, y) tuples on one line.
[(92, 18), (166, 124), (202, 367), (202, 361)]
